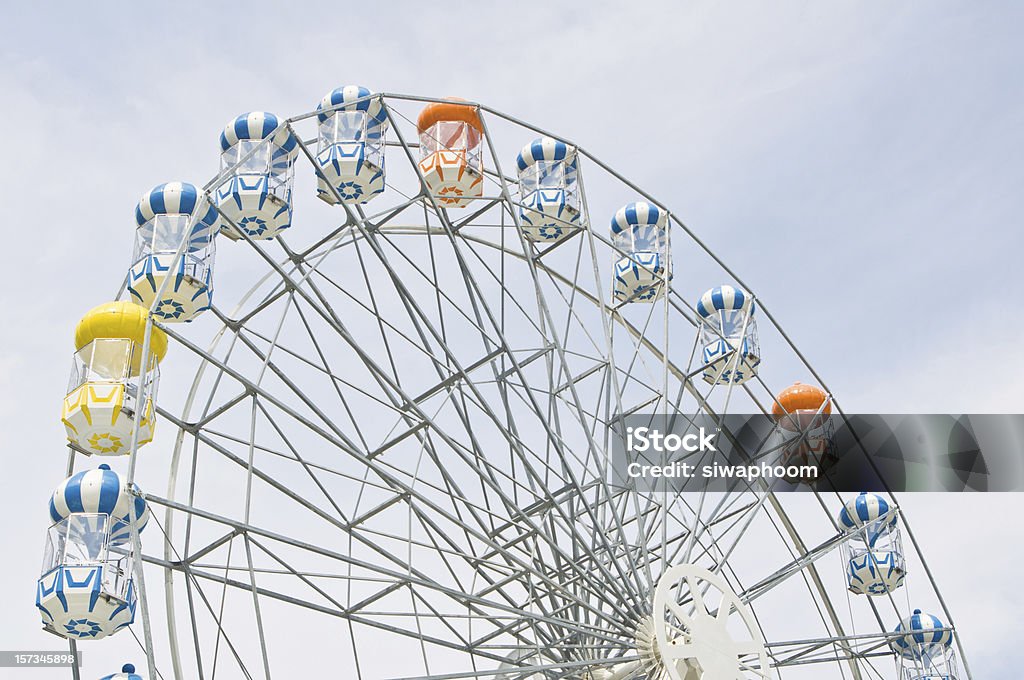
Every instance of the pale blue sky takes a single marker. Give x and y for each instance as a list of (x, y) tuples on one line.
[(858, 164)]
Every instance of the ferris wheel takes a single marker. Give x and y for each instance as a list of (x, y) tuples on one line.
[(392, 457)]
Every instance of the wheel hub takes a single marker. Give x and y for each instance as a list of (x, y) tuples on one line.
[(702, 630)]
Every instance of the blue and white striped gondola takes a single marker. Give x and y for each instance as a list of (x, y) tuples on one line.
[(724, 299), (127, 673), (258, 149), (100, 491), (167, 216), (875, 564), (640, 229), (549, 190), (350, 154), (872, 511), (728, 329), (86, 590), (925, 650), (921, 636)]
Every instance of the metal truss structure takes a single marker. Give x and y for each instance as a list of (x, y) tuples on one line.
[(392, 459)]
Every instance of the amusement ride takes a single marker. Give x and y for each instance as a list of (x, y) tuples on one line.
[(390, 455)]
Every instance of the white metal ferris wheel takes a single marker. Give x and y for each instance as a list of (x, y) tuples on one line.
[(392, 460)]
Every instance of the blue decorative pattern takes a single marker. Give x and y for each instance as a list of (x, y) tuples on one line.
[(638, 214), (546, 149), (639, 277), (179, 198), (189, 294), (724, 298), (547, 216), (864, 509), (721, 364), (68, 599), (875, 572), (82, 628), (100, 491), (920, 636), (353, 176), (872, 511), (353, 98), (254, 206), (257, 125)]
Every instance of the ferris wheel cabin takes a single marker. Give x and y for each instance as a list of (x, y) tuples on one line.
[(350, 152), (258, 158), (108, 391), (801, 413), (640, 230), (87, 590), (171, 218), (874, 556), (451, 152), (924, 646), (728, 336), (549, 190)]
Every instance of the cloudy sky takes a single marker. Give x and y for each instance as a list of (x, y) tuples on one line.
[(858, 163)]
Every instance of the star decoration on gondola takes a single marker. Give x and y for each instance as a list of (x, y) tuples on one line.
[(82, 628), (450, 195), (349, 191), (105, 442), (646, 293), (253, 226), (169, 309)]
